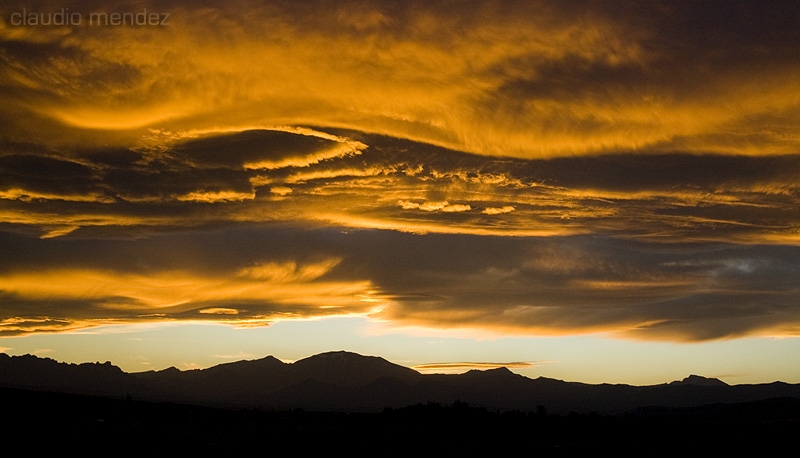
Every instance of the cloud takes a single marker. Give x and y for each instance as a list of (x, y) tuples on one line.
[(525, 79), (498, 211), (60, 300), (500, 285), (216, 196), (288, 271), (587, 285), (218, 311), (237, 357), (281, 190), (565, 175), (29, 177), (404, 185), (443, 206), (58, 231), (459, 367)]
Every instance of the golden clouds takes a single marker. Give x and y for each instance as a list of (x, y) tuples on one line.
[(288, 271), (28, 196), (529, 79), (562, 125), (217, 196), (92, 297), (280, 190), (318, 178), (443, 206), (218, 311), (344, 149), (498, 211)]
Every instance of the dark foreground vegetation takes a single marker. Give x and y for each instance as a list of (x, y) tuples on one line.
[(43, 421)]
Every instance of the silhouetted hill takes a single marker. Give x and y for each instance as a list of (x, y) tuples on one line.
[(699, 381), (349, 369), (343, 381), (46, 374), (235, 383)]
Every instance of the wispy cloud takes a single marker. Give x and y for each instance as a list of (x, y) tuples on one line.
[(459, 367), (237, 356)]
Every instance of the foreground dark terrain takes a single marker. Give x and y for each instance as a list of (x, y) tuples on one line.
[(58, 422), (350, 402)]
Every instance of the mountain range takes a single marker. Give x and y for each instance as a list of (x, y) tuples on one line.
[(348, 382)]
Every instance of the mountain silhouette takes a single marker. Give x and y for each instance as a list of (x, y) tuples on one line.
[(349, 382), (350, 369), (698, 380), (46, 374)]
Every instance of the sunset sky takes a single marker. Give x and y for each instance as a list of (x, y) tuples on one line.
[(596, 191)]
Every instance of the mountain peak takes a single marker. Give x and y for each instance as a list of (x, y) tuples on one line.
[(348, 368), (493, 372), (268, 361), (342, 358), (269, 358), (697, 380), (341, 355)]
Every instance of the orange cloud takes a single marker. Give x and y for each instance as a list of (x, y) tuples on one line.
[(460, 367), (260, 294), (443, 206), (526, 80)]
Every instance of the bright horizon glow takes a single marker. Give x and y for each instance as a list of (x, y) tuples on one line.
[(588, 359)]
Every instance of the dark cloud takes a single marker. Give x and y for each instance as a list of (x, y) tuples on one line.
[(674, 292), (165, 183), (235, 150), (46, 175), (546, 285), (633, 172), (112, 158)]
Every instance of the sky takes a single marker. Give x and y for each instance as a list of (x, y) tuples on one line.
[(595, 191)]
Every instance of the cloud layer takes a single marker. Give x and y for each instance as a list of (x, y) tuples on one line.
[(360, 180), (525, 79), (526, 167), (519, 285)]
